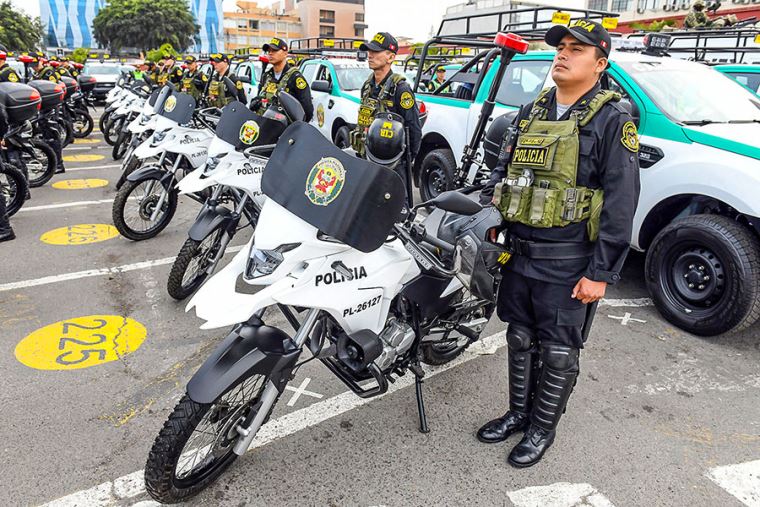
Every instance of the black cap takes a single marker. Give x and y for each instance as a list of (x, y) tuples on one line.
[(275, 43), (382, 41), (586, 31), (440, 68), (218, 57), (190, 59)]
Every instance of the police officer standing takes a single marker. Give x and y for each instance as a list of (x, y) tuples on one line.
[(282, 76), (169, 73), (7, 73), (386, 91), (568, 187), (43, 70), (219, 93), (193, 81)]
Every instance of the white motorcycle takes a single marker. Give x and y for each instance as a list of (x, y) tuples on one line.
[(375, 297), (139, 130), (147, 201)]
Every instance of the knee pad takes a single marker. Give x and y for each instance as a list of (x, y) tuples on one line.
[(520, 338), (560, 357)]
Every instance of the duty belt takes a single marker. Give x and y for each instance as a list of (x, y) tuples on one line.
[(548, 250)]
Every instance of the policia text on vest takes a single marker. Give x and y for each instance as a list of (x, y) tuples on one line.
[(567, 185)]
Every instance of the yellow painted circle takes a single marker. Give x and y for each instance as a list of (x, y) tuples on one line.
[(81, 234), (80, 184), (81, 342), (82, 158), (86, 141)]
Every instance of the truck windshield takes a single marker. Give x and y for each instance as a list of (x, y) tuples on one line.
[(102, 69), (352, 78), (693, 93)]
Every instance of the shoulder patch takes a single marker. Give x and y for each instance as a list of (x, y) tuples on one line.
[(630, 137), (204, 77), (407, 100), (301, 83), (12, 77), (239, 85), (51, 78)]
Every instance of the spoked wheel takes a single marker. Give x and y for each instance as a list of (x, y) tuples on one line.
[(195, 445), (121, 146), (82, 123), (13, 186), (144, 208), (40, 161), (452, 343), (189, 268), (112, 129)]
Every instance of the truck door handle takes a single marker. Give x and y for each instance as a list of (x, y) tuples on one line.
[(330, 104)]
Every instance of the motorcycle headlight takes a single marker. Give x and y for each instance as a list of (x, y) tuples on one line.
[(264, 262), (158, 137), (212, 163)]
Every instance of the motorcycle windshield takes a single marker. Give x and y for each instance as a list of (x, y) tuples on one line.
[(178, 107), (353, 200), (242, 128)]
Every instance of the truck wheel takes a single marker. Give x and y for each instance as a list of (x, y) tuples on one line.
[(342, 139), (437, 173), (703, 273)]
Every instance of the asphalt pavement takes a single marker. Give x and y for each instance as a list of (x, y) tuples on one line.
[(95, 354)]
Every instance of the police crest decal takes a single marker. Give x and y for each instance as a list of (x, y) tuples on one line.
[(170, 104), (325, 181), (249, 132)]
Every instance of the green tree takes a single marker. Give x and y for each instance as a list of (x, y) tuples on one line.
[(155, 55), (19, 32), (145, 24), (79, 55)]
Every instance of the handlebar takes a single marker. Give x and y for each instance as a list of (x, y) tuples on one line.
[(412, 239)]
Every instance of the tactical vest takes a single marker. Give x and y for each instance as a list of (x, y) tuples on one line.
[(189, 86), (49, 74), (217, 94), (268, 89), (8, 74), (370, 107), (540, 189)]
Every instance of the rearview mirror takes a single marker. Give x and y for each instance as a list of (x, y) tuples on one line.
[(455, 202), (321, 86)]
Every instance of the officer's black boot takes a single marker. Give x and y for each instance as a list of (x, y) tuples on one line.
[(522, 360), (6, 232), (558, 376)]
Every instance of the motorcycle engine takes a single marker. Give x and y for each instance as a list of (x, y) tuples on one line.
[(397, 337)]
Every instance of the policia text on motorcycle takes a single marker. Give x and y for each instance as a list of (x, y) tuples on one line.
[(567, 184), (282, 76), (386, 91), (219, 93)]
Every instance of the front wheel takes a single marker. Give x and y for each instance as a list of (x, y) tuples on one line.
[(195, 445), (342, 137), (13, 185), (189, 270), (121, 146), (142, 209), (437, 173), (703, 273), (82, 123), (112, 129), (40, 161)]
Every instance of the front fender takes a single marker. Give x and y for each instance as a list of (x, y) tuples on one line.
[(248, 349), (152, 172), (208, 220), (147, 150)]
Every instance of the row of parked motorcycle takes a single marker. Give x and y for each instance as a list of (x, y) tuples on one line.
[(371, 286), (44, 117)]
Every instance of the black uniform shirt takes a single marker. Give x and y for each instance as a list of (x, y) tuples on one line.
[(405, 105), (297, 87), (605, 162), (8, 74)]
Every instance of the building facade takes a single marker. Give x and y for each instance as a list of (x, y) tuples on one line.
[(252, 26), (327, 18), (68, 23)]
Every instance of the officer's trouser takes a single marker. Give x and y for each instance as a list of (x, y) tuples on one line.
[(5, 224)]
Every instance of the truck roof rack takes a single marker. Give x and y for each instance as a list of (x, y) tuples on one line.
[(317, 45), (711, 46)]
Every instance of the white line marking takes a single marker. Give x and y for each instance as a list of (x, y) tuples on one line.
[(625, 319), (742, 481), (561, 494), (298, 391), (633, 303), (72, 148), (275, 429), (65, 205), (45, 280), (110, 166)]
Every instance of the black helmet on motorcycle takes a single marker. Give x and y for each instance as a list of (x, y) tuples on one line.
[(386, 139)]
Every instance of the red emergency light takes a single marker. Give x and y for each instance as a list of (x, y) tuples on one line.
[(512, 42)]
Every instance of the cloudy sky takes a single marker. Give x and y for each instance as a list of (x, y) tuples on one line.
[(410, 18)]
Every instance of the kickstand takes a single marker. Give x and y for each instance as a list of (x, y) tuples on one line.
[(418, 374)]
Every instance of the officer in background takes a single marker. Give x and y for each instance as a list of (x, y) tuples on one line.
[(697, 18), (220, 94), (7, 73), (567, 184), (194, 81), (386, 91), (282, 76), (438, 80), (60, 68), (70, 67), (43, 70), (169, 72)]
